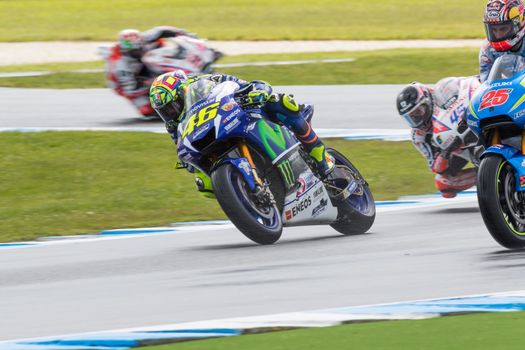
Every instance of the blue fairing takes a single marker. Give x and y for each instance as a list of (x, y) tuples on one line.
[(243, 166), (501, 101), (218, 120), (514, 157)]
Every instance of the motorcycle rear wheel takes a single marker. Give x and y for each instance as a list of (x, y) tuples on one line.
[(357, 213), (501, 206), (263, 225)]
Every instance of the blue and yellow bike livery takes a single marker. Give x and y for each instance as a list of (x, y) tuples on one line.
[(261, 176), (497, 116)]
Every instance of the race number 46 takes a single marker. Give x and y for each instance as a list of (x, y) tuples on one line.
[(494, 98)]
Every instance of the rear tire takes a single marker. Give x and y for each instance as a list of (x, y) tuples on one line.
[(261, 225), (357, 213), (501, 206)]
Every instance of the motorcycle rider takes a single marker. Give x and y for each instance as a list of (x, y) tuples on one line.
[(126, 74), (167, 95), (418, 104), (504, 22)]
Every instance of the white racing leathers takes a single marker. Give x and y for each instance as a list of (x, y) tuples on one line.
[(443, 144)]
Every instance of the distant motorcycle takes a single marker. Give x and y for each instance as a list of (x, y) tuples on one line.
[(497, 116), (189, 54), (131, 78), (261, 176)]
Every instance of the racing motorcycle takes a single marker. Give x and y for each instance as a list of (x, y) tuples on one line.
[(497, 116), (185, 53), (261, 176)]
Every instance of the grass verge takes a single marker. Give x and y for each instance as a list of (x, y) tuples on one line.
[(479, 331), (36, 20), (60, 183), (370, 67)]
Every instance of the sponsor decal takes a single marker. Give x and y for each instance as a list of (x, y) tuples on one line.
[(289, 214), (227, 106), (201, 130), (439, 140), (473, 123), (519, 114), (318, 192), (231, 116), (244, 165), (501, 83), (522, 181), (320, 208), (301, 206), (302, 187), (494, 98), (523, 163), (232, 125)]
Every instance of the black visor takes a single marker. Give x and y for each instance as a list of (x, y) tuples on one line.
[(170, 112), (499, 31)]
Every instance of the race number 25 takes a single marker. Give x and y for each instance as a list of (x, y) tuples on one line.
[(494, 98)]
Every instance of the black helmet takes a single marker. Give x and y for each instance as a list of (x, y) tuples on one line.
[(415, 105)]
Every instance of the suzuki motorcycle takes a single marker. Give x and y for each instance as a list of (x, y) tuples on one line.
[(497, 116), (261, 176)]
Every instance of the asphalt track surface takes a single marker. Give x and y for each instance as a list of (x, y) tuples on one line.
[(337, 106), (180, 277)]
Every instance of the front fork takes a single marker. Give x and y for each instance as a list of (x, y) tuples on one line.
[(262, 191), (245, 152)]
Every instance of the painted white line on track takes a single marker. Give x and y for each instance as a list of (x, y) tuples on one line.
[(412, 310), (220, 65)]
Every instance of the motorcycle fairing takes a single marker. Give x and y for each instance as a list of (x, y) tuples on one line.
[(515, 159)]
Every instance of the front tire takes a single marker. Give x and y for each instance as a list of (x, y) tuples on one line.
[(357, 213), (262, 225), (502, 207)]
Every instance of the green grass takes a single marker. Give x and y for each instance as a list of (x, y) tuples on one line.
[(60, 183), (371, 67), (30, 20), (479, 331)]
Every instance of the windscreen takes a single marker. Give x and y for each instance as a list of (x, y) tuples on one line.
[(505, 67)]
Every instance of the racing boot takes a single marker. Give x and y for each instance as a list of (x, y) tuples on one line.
[(296, 117), (324, 162), (450, 186)]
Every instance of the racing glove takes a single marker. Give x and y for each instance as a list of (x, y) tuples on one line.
[(440, 164)]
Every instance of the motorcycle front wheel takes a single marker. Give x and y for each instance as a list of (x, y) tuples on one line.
[(260, 223), (501, 206)]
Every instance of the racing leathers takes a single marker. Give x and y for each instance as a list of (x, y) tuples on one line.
[(281, 109), (487, 56), (129, 77), (450, 177)]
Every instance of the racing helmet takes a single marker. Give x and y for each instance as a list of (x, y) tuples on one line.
[(504, 23), (131, 43), (167, 96), (415, 105)]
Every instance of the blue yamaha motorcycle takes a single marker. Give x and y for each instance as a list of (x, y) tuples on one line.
[(261, 176), (497, 116)]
